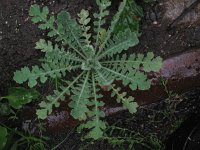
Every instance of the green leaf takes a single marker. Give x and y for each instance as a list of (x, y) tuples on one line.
[(19, 96), (25, 74), (128, 102), (120, 42), (34, 10), (96, 127), (22, 76), (84, 20), (100, 19), (80, 100), (112, 26), (152, 63), (44, 46), (71, 31), (41, 16), (46, 107), (138, 62), (135, 79), (3, 137), (42, 113)]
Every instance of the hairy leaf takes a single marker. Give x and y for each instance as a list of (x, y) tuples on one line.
[(71, 31), (121, 41), (80, 99), (53, 100)]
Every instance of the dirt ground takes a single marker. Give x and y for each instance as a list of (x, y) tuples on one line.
[(17, 41)]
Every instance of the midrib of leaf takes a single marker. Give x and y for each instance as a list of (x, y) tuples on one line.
[(83, 87), (76, 40), (66, 57), (119, 95), (74, 59), (126, 61), (70, 45), (119, 74), (109, 32), (112, 48), (67, 88), (56, 70), (100, 74), (98, 29), (95, 98)]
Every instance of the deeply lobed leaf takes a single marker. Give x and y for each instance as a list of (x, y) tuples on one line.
[(128, 102), (80, 99), (120, 42)]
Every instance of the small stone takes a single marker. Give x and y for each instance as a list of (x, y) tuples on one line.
[(155, 22)]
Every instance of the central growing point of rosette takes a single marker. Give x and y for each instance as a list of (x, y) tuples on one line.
[(91, 62)]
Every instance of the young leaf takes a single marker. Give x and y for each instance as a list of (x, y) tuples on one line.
[(84, 20), (112, 26), (103, 5)]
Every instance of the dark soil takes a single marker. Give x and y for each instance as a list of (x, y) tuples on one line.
[(160, 119), (17, 41)]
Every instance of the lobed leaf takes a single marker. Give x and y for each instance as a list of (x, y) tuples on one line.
[(84, 20), (80, 99), (127, 101), (47, 70), (120, 42), (103, 5), (46, 107), (139, 62), (41, 16), (112, 26), (71, 31)]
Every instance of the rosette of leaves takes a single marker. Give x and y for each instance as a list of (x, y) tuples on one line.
[(90, 61)]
